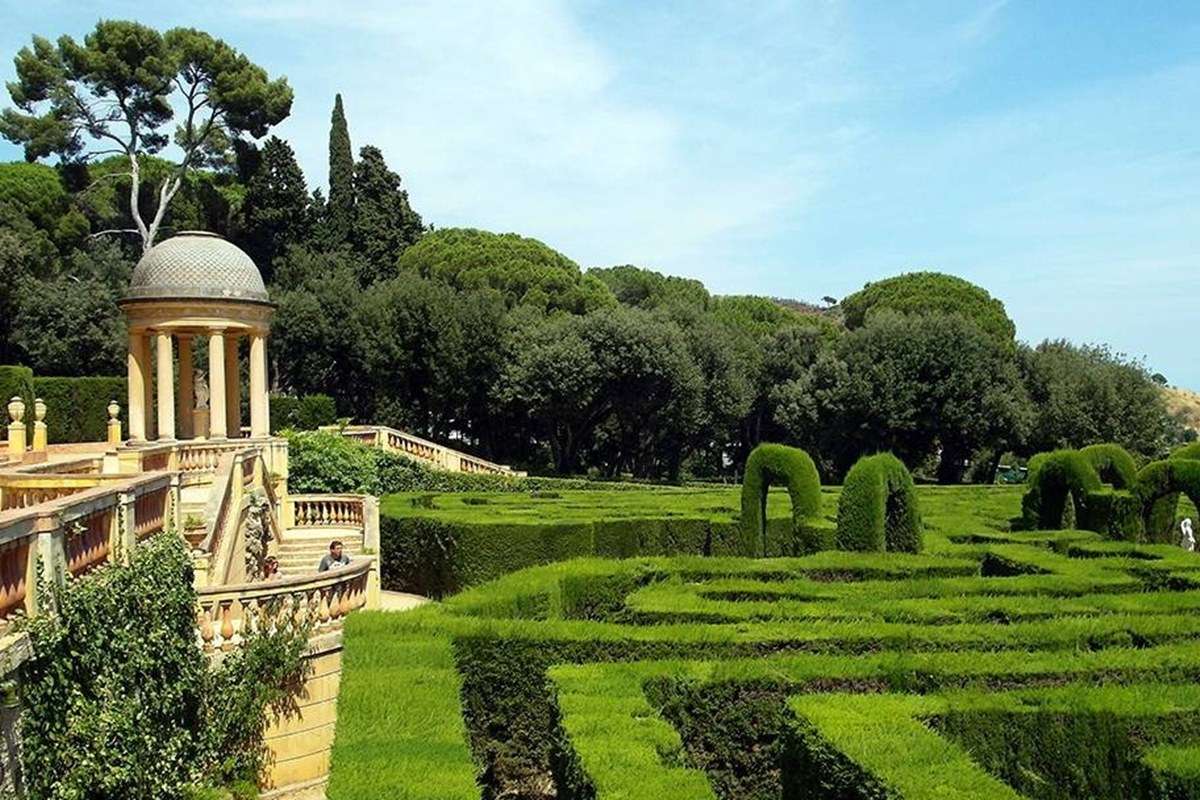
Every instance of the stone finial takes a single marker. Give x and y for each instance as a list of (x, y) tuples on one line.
[(16, 409), (39, 410), (114, 424), (39, 426)]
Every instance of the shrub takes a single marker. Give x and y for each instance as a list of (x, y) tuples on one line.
[(1113, 464), (776, 463), (77, 408), (1051, 477), (119, 701), (878, 507), (1191, 451), (305, 413), (326, 461)]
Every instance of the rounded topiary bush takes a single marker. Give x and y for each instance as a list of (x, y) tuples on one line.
[(776, 464), (1051, 477), (1113, 464), (878, 507), (1190, 451)]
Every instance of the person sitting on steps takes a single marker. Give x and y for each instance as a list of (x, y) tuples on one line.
[(334, 558)]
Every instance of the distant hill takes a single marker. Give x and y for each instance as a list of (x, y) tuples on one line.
[(1184, 405)]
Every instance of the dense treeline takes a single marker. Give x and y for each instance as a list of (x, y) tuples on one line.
[(510, 347)]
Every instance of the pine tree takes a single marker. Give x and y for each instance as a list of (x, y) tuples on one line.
[(341, 176), (384, 222), (276, 208)]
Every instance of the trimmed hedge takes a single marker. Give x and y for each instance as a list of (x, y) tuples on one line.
[(878, 508), (776, 463), (1158, 488), (1113, 464), (1051, 477), (16, 381), (305, 413), (1191, 451), (77, 408)]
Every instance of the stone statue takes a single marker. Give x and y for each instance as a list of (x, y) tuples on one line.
[(200, 387), (1188, 540), (258, 536)]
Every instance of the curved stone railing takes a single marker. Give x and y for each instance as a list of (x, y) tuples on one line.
[(430, 453), (319, 600)]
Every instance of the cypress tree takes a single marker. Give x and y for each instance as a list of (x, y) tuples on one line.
[(341, 175), (276, 206), (385, 223)]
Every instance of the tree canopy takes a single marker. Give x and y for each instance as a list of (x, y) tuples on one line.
[(524, 271), (922, 292), (114, 93)]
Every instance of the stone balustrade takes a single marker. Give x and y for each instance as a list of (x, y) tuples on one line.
[(319, 600), (327, 511), (430, 453), (75, 533)]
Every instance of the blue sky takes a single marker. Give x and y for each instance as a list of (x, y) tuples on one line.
[(1048, 151)]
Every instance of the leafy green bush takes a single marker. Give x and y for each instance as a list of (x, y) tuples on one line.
[(776, 463), (878, 507), (305, 413), (326, 461), (77, 408), (1191, 451), (118, 701)]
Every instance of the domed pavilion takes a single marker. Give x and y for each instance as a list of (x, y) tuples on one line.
[(193, 287)]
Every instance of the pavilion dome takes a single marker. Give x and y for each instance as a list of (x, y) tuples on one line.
[(196, 265)]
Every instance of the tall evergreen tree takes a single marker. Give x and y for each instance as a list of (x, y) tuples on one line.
[(276, 206), (341, 176), (384, 222)]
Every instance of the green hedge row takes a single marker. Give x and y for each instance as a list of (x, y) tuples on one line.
[(305, 413), (777, 464), (77, 408), (15, 382), (878, 507), (435, 557)]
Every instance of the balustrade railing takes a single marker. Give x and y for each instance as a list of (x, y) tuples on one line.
[(150, 512), (431, 453), (89, 540), (226, 614), (15, 576), (327, 511)]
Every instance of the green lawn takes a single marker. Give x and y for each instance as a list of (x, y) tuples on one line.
[(995, 664)]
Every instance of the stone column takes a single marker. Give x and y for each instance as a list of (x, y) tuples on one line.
[(233, 389), (165, 373), (148, 384), (216, 385), (136, 365), (186, 401), (260, 410)]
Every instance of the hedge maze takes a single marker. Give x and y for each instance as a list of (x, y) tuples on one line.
[(993, 664)]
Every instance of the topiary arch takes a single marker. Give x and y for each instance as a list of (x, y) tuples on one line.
[(878, 507), (1158, 487), (1113, 464), (769, 464), (1052, 476)]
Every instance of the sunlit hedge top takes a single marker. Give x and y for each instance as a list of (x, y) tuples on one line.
[(919, 292), (525, 271)]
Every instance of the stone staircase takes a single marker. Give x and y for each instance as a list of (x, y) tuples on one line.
[(301, 550)]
